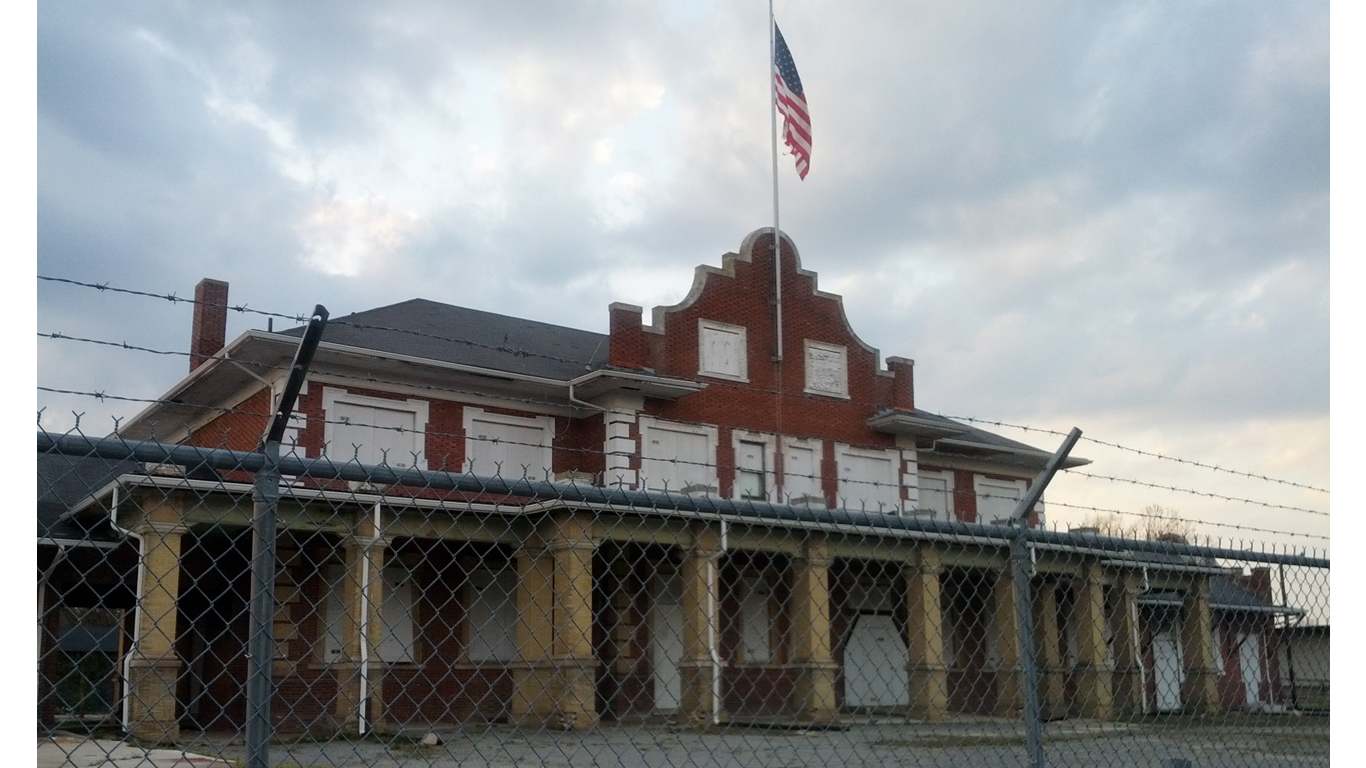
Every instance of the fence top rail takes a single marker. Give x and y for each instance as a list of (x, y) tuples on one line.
[(557, 496)]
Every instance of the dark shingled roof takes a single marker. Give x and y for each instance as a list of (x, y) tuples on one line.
[(64, 482), (436, 331)]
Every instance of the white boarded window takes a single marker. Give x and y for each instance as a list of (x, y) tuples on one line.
[(491, 615), (802, 471), (722, 351), (936, 495), (677, 457), (868, 479), (374, 430), (827, 369), (396, 613), (510, 447), (996, 499), (756, 625)]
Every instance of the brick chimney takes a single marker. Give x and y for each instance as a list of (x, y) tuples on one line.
[(903, 383), (209, 331), (626, 348)]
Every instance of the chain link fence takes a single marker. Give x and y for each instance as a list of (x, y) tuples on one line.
[(417, 617)]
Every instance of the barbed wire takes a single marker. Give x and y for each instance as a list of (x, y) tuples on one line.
[(956, 493), (1140, 451), (1171, 518), (533, 401), (518, 352), (1195, 492)]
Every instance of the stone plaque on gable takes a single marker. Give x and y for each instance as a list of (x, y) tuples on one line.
[(721, 350), (827, 369)]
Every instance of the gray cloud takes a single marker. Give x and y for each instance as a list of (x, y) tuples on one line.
[(1111, 211)]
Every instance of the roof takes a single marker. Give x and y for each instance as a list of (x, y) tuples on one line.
[(64, 482), (1224, 595), (953, 438), (435, 331)]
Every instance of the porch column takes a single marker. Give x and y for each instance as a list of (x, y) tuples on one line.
[(360, 674), (531, 702), (701, 627), (1052, 693), (1094, 696), (1004, 624), (557, 690), (811, 650), (1128, 674), (1199, 692), (928, 671), (153, 666)]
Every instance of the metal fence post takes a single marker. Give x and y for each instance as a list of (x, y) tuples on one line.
[(261, 639), (1024, 633)]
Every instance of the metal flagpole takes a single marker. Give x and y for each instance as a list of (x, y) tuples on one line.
[(773, 131)]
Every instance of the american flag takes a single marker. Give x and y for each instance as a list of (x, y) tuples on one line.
[(792, 104)]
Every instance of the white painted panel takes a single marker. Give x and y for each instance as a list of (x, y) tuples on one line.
[(666, 642), (373, 435), (801, 470), (934, 496), (491, 616), (1167, 671), (722, 350), (754, 620), (1250, 666), (509, 451), (875, 660), (396, 615), (868, 481), (996, 499), (676, 459)]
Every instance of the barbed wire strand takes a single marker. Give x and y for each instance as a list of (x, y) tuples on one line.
[(534, 401), (517, 352)]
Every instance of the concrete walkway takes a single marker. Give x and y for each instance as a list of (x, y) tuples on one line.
[(72, 751)]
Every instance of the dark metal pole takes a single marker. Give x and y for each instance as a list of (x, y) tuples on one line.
[(1024, 600), (1024, 633), (265, 502), (261, 640)]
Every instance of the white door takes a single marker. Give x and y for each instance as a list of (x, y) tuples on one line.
[(1167, 671), (666, 642), (875, 662), (1250, 666)]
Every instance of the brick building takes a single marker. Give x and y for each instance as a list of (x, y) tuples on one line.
[(400, 605)]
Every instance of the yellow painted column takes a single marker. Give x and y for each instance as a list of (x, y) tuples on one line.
[(154, 667), (700, 574), (1128, 675), (557, 689), (811, 651), (928, 669), (531, 703), (1200, 693), (1004, 627), (360, 674), (1094, 695), (1052, 692)]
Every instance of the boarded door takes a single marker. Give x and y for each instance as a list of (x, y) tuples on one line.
[(875, 664), (666, 642), (1167, 671)]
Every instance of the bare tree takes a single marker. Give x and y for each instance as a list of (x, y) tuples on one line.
[(1156, 522)]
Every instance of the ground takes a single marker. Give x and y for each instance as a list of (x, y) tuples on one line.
[(1260, 741)]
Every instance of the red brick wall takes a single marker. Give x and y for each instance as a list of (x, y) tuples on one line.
[(773, 400)]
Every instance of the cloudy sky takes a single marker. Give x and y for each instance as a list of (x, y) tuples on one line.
[(1112, 215)]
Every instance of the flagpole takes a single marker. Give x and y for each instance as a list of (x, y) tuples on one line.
[(773, 135)]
